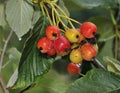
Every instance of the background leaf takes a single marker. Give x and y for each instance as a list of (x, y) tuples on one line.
[(33, 63), (13, 79), (14, 54), (2, 15), (118, 1), (19, 15), (105, 28), (36, 16), (62, 5), (95, 3), (113, 64), (96, 81), (49, 84)]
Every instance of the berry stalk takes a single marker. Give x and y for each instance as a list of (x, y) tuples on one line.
[(97, 64)]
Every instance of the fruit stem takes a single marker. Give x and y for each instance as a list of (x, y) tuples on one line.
[(53, 17), (54, 1), (42, 9), (81, 74), (48, 14), (64, 15), (97, 64), (62, 30), (71, 19), (53, 13), (57, 14)]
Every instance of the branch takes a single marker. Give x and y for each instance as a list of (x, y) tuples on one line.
[(4, 49), (3, 85), (97, 64)]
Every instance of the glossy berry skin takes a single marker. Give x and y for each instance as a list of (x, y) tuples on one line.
[(62, 45), (75, 56), (44, 44), (52, 32), (73, 68), (72, 35), (52, 51), (88, 29), (88, 51)]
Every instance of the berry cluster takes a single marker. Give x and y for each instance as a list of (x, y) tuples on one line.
[(63, 38), (73, 42), (86, 51), (54, 42)]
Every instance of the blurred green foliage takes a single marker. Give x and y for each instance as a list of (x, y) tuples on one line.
[(57, 79)]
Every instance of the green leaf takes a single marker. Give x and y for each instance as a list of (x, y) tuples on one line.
[(118, 1), (49, 84), (12, 58), (36, 16), (105, 49), (113, 64), (2, 38), (54, 85), (19, 15), (14, 54), (13, 79), (32, 62), (69, 3), (96, 81), (62, 5), (95, 3), (2, 15)]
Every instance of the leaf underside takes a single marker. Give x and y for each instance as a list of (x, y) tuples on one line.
[(19, 16)]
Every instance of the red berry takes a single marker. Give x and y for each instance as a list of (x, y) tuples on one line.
[(52, 32), (88, 51), (62, 45), (88, 29), (52, 51), (73, 68), (44, 44)]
